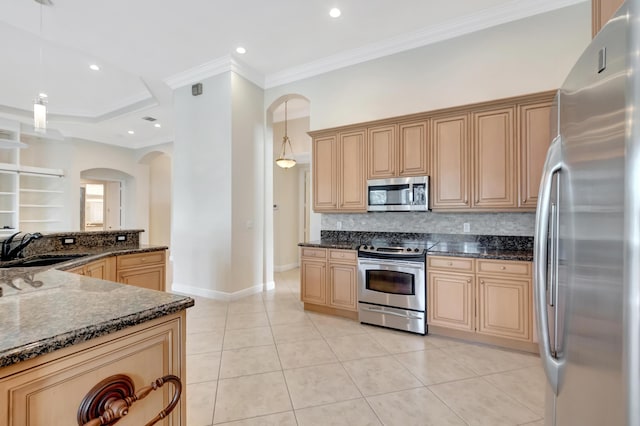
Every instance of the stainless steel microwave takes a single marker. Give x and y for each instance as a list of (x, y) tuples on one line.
[(398, 194)]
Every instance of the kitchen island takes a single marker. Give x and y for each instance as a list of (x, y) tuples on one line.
[(63, 333)]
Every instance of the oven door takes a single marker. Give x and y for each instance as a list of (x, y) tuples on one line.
[(395, 283)]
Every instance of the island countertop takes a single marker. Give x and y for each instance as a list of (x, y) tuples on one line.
[(45, 310)]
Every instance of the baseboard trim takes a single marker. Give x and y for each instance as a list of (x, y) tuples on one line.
[(271, 285), (283, 268), (215, 294)]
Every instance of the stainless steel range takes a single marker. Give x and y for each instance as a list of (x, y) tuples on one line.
[(392, 286)]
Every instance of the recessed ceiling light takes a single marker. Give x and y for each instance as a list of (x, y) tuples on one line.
[(131, 132), (94, 67), (157, 125), (335, 12), (241, 50), (43, 95)]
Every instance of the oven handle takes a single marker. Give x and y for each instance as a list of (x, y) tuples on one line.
[(395, 263), (382, 311)]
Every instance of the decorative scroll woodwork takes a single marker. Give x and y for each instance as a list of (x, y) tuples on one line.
[(110, 400)]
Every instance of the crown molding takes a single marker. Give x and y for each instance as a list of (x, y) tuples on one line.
[(212, 68), (512, 11)]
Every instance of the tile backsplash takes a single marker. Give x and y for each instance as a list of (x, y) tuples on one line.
[(518, 224)]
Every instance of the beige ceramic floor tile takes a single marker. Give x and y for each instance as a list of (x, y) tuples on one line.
[(251, 396), (374, 376), (289, 304), (538, 423), (526, 385), (248, 307), (206, 323), (414, 407), (241, 362), (295, 332), (249, 320), (480, 403), (247, 337), (280, 419), (398, 341), (330, 326), (434, 366), (305, 353), (441, 341), (349, 413), (203, 367), (488, 360), (209, 308), (198, 343), (355, 347), (200, 401), (286, 316), (324, 384)]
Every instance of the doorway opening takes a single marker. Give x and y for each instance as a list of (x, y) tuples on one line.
[(100, 205)]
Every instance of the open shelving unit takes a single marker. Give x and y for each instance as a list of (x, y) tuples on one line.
[(31, 198)]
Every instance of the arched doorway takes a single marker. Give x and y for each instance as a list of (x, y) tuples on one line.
[(105, 196)]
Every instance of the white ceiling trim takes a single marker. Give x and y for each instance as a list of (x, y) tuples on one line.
[(512, 11), (212, 68), (117, 108)]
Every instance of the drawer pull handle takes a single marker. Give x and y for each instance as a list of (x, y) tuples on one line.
[(111, 399), (450, 263)]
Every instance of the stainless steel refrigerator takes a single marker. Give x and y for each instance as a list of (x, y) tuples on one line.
[(587, 237)]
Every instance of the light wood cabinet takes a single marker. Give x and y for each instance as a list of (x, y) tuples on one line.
[(413, 149), (325, 173), (534, 137), (104, 269), (146, 270), (381, 152), (328, 281), (483, 296), (494, 155), (49, 389), (601, 12), (351, 171), (450, 146)]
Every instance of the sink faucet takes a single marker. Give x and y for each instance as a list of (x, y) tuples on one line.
[(10, 254)]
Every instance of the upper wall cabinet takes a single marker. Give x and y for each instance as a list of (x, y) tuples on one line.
[(534, 122), (601, 12), (396, 150), (325, 173), (450, 153), (494, 154)]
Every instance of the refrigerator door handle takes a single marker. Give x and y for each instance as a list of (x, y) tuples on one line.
[(552, 166)]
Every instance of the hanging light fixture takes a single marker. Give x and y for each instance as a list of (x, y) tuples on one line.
[(40, 103), (284, 161)]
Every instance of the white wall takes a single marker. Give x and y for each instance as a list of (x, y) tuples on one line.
[(160, 177), (530, 55)]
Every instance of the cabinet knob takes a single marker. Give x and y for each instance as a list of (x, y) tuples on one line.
[(482, 282), (503, 267), (450, 263), (468, 281)]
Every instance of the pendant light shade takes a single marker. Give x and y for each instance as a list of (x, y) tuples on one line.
[(286, 161), (40, 115)]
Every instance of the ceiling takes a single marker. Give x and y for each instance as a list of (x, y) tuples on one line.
[(145, 46)]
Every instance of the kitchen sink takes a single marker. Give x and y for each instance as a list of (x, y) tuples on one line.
[(47, 260)]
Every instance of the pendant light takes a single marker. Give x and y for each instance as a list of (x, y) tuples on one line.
[(39, 104), (284, 161)]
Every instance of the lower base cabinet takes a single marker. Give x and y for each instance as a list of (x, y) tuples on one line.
[(486, 297), (328, 280), (49, 389)]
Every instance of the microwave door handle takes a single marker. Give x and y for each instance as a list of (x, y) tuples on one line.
[(552, 166), (411, 187)]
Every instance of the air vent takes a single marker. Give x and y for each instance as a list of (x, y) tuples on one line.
[(149, 118)]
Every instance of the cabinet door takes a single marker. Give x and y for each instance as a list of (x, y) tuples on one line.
[(325, 174), (450, 299), (78, 270), (450, 153), (504, 307), (535, 138), (414, 149), (103, 269), (351, 172), (381, 152), (601, 12), (313, 281), (343, 286), (151, 277), (494, 166)]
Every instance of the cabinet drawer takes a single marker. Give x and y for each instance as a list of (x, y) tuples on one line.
[(314, 252), (138, 259), (450, 263), (504, 267), (350, 256)]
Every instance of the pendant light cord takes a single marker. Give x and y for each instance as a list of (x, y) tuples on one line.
[(41, 60)]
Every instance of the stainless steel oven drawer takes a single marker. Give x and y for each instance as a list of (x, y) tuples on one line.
[(385, 316)]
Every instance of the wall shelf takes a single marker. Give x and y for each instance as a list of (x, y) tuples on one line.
[(40, 221), (10, 144), (44, 206)]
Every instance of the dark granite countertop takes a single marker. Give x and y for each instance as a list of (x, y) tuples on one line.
[(43, 309), (475, 246)]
